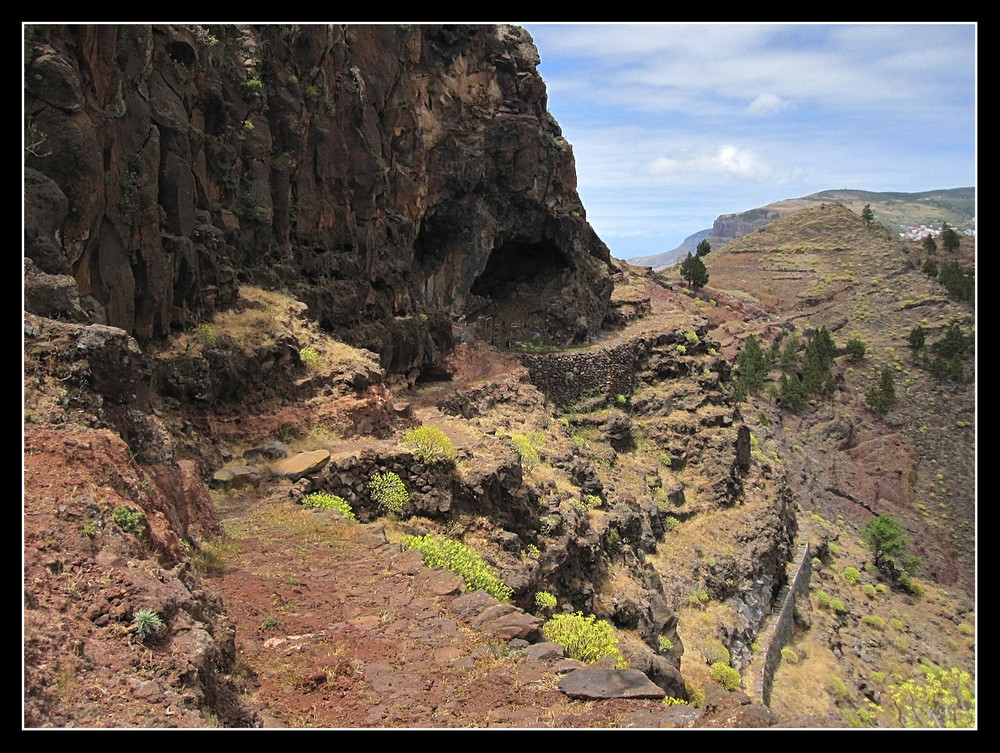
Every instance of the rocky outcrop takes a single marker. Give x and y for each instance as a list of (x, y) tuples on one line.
[(392, 177), (728, 227)]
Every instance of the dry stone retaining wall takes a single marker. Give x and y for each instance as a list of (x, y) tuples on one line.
[(567, 377), (781, 625)]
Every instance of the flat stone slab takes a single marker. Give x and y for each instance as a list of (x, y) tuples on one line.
[(594, 684), (302, 464), (236, 478), (545, 651), (516, 625)]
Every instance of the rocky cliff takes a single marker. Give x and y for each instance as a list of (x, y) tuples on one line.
[(394, 178)]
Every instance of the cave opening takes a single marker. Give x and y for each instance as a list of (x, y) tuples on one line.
[(517, 286), (517, 267)]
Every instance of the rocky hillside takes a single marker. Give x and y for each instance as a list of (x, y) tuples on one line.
[(390, 177), (583, 428)]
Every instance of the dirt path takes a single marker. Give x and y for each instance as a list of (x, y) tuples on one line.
[(337, 628)]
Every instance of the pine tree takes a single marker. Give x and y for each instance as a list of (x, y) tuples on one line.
[(950, 239), (881, 398), (868, 215), (693, 270), (752, 365)]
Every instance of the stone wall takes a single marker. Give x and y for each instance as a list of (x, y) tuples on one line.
[(567, 377), (616, 369), (781, 625)]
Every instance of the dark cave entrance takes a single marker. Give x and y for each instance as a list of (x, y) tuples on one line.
[(516, 288)]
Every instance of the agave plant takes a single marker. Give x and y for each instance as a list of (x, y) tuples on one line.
[(146, 623)]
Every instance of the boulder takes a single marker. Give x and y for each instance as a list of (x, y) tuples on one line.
[(302, 464), (595, 684)]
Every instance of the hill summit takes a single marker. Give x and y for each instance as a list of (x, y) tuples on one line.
[(911, 215)]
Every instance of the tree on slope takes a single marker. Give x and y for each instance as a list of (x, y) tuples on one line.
[(886, 539), (868, 215), (694, 272), (950, 238)]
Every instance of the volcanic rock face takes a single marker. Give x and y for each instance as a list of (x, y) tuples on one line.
[(392, 177)]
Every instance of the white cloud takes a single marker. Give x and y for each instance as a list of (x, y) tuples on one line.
[(766, 104), (727, 160)]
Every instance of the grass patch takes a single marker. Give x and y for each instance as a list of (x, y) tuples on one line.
[(467, 563)]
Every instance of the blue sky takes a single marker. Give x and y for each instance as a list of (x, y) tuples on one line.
[(675, 124)]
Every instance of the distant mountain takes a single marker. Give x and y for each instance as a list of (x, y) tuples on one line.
[(669, 258), (908, 214)]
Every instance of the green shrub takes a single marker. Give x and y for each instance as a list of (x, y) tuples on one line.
[(945, 698), (204, 334), (670, 523), (130, 521), (696, 694), (851, 575), (458, 558), (89, 530), (725, 676), (664, 644), (146, 622), (698, 599), (545, 600), (665, 460), (837, 605), (269, 624), (527, 451), (324, 501), (713, 651), (873, 621), (837, 688), (548, 525), (593, 501), (252, 87), (671, 701), (869, 590), (309, 355), (388, 491), (823, 598), (612, 542), (789, 655), (430, 444), (585, 639)]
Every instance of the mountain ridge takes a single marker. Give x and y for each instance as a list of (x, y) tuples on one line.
[(913, 213)]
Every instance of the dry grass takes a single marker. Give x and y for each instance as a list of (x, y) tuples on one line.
[(804, 688), (253, 323)]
